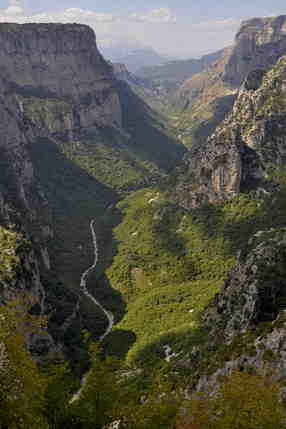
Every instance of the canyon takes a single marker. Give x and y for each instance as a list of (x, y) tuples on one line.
[(189, 286)]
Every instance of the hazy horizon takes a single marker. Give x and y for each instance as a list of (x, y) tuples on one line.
[(183, 30)]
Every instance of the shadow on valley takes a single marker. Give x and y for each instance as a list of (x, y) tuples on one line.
[(151, 355), (147, 130), (74, 198), (220, 109), (119, 342)]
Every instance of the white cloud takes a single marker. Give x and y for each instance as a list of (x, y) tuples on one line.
[(15, 13), (155, 16), (73, 15), (158, 28)]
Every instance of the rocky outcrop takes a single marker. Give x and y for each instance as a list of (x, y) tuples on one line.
[(19, 268), (20, 281), (259, 43), (255, 291), (245, 147), (209, 96), (246, 322)]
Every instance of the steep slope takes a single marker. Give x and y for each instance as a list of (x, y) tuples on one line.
[(70, 145), (259, 43), (122, 73), (245, 323), (244, 326), (146, 89), (170, 261), (207, 97), (202, 102), (246, 148), (41, 84)]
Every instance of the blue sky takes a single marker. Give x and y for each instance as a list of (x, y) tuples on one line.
[(182, 28)]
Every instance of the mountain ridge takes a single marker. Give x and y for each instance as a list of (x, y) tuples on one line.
[(208, 97)]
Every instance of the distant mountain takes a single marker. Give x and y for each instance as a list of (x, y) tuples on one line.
[(173, 73), (118, 50), (134, 58)]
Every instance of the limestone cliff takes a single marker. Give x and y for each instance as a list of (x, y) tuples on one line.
[(54, 84), (209, 95), (245, 147), (259, 43), (245, 323), (60, 61)]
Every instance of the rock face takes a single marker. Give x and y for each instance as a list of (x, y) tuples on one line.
[(246, 321), (209, 95), (19, 268), (243, 149), (20, 277), (259, 43), (62, 61), (54, 84), (255, 290)]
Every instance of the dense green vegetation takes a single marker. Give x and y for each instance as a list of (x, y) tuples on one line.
[(82, 179), (136, 398), (166, 264), (159, 267), (157, 273), (169, 263)]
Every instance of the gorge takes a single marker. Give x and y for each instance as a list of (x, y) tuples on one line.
[(188, 294)]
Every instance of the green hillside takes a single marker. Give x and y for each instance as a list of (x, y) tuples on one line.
[(170, 263)]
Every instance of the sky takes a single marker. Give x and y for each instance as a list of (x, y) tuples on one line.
[(177, 28)]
